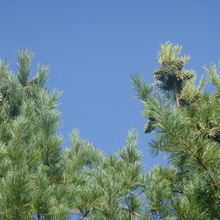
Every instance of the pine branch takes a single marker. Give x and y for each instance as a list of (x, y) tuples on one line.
[(99, 169), (135, 213), (176, 93), (143, 186), (197, 158), (84, 215), (49, 163)]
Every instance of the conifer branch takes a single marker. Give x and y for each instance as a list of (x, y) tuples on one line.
[(99, 169), (84, 215), (135, 213), (49, 163), (126, 187), (143, 186), (176, 94), (197, 158)]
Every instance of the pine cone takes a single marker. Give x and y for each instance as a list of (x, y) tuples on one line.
[(180, 64), (215, 134), (149, 125), (188, 74), (159, 73)]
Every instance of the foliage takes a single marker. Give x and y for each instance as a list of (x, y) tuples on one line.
[(41, 180), (188, 134), (30, 153), (101, 186), (171, 75)]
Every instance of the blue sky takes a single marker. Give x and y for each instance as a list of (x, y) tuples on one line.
[(93, 46)]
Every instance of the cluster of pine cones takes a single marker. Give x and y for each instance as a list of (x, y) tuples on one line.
[(174, 71)]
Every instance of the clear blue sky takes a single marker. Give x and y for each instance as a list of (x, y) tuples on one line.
[(94, 45)]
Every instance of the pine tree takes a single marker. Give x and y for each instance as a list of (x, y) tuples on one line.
[(101, 186), (40, 180), (30, 151), (187, 132)]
